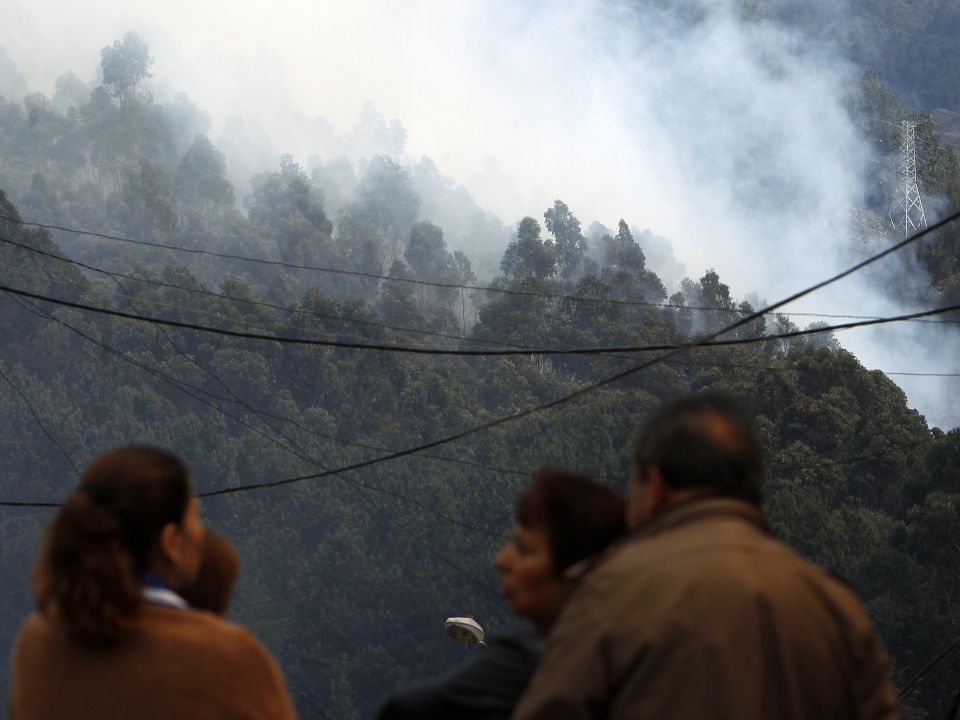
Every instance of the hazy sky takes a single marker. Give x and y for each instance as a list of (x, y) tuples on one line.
[(728, 138)]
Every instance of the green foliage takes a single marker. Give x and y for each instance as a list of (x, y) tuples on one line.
[(348, 577), (124, 65), (529, 255)]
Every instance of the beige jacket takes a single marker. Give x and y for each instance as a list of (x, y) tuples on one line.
[(703, 615), (175, 664)]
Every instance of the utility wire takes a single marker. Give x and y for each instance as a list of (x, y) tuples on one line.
[(411, 281), (192, 391), (592, 387), (306, 698), (292, 421), (40, 423), (359, 487), (255, 303), (707, 364), (709, 341), (945, 655), (532, 349)]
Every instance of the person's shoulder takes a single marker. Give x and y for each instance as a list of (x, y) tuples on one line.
[(525, 643), (36, 631), (32, 629), (33, 624), (511, 653), (206, 628)]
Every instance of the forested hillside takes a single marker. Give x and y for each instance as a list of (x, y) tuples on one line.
[(912, 45), (347, 577)]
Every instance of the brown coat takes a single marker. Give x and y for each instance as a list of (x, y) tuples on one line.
[(175, 664), (704, 615)]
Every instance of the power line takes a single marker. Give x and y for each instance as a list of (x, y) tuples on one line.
[(350, 481), (601, 383), (947, 653), (503, 420), (295, 423), (707, 364), (256, 303), (411, 281), (186, 388), (360, 487), (179, 384), (596, 385), (532, 349), (39, 422), (318, 268), (383, 347)]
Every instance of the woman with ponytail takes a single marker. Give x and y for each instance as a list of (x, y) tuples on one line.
[(112, 637)]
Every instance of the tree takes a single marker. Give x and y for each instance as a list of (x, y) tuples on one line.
[(623, 251), (124, 65), (288, 208), (528, 255), (427, 257), (145, 207), (569, 241), (201, 183), (70, 91), (12, 85), (627, 274), (715, 295), (389, 203)]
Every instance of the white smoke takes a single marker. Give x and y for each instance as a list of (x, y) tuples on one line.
[(705, 123)]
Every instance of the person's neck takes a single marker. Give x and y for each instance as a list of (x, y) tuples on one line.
[(675, 498), (157, 577)]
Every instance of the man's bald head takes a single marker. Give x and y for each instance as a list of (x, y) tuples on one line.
[(705, 442)]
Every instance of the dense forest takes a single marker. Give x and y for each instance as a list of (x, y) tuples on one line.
[(347, 577), (912, 45)]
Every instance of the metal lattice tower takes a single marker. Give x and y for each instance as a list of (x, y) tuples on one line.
[(907, 209)]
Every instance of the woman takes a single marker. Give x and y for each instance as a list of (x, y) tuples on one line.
[(112, 638), (561, 520)]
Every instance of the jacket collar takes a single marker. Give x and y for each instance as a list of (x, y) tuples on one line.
[(693, 510), (157, 591), (698, 508)]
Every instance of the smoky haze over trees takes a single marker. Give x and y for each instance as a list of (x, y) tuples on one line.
[(347, 578)]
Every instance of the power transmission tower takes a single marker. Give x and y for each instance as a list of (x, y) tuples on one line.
[(907, 208)]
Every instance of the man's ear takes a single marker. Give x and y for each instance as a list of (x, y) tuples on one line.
[(647, 496), (656, 489)]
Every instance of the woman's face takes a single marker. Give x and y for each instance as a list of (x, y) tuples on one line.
[(181, 547), (528, 584)]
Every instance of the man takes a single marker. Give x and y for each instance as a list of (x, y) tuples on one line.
[(700, 613)]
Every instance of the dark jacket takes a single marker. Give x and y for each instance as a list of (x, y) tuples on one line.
[(486, 689), (704, 615)]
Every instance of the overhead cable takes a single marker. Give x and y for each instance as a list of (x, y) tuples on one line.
[(945, 655), (192, 391), (397, 279), (415, 350), (592, 387), (40, 423), (257, 303)]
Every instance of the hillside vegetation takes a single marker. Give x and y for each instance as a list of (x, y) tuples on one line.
[(348, 577)]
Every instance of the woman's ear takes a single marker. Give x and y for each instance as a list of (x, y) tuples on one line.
[(171, 544)]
